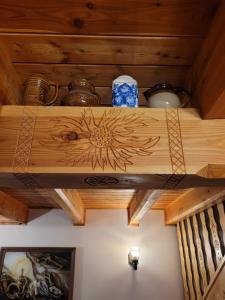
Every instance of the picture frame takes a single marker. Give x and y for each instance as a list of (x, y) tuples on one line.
[(40, 273)]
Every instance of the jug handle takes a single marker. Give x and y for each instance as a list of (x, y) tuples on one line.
[(99, 99), (54, 98), (179, 90)]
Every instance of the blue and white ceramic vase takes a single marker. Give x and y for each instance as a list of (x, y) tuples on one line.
[(125, 92)]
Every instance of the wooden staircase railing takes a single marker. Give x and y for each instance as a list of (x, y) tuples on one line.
[(216, 288)]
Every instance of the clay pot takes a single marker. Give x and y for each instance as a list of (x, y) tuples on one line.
[(81, 93)]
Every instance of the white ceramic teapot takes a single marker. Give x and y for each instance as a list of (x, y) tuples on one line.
[(164, 95)]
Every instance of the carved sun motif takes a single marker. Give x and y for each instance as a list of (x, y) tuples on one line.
[(108, 141)]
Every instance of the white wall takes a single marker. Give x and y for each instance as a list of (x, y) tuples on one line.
[(102, 271)]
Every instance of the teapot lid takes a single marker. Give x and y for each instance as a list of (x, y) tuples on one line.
[(156, 88)]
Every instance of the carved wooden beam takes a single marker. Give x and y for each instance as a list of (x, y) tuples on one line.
[(12, 210), (10, 86), (71, 203), (140, 205), (206, 78), (75, 147), (192, 202)]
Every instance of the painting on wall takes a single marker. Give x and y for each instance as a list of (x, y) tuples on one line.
[(37, 273)]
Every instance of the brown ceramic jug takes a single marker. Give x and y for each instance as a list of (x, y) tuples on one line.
[(81, 93), (37, 91)]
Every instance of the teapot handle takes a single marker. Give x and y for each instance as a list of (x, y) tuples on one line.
[(179, 90)]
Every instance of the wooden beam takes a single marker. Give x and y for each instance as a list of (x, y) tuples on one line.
[(10, 87), (12, 210), (7, 221), (206, 78), (71, 203), (140, 205), (192, 202), (75, 147)]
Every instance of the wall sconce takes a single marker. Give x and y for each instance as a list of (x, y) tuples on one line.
[(133, 257)]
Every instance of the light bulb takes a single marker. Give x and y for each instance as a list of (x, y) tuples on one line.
[(134, 252)]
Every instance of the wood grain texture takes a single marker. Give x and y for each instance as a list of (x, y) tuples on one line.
[(71, 49), (188, 262), (140, 205), (215, 237), (166, 198), (103, 75), (10, 86), (7, 221), (140, 157), (199, 254), (193, 201), (216, 289), (91, 198), (207, 247), (207, 75), (222, 218), (33, 198), (71, 203), (196, 276), (183, 264), (165, 17), (106, 199), (12, 209)]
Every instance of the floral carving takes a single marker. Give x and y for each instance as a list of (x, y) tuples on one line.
[(108, 141)]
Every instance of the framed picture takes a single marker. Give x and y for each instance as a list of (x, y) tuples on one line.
[(37, 273)]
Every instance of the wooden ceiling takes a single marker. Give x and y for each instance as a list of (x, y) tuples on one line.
[(153, 41), (92, 198)]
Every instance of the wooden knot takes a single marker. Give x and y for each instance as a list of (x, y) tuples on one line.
[(78, 23), (72, 136), (90, 5)]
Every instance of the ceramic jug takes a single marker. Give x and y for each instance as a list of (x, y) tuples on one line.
[(164, 95), (37, 91), (81, 93)]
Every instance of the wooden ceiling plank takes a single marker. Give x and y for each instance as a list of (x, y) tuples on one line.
[(10, 87), (12, 210), (165, 17), (72, 49), (104, 199), (166, 198), (71, 203), (206, 78), (140, 205), (193, 201), (103, 75)]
